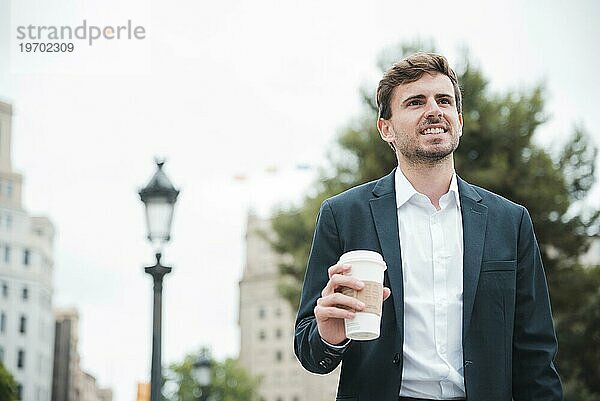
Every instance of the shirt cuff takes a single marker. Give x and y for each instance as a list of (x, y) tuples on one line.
[(340, 347)]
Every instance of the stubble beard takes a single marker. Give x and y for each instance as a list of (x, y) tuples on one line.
[(418, 155)]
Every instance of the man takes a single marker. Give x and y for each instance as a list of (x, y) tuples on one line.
[(468, 315)]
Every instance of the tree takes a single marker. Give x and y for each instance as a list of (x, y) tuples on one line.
[(8, 387), (229, 382), (498, 152)]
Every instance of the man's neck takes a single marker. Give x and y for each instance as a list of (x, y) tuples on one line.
[(432, 180)]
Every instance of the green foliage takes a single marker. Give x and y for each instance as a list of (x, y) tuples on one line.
[(576, 391), (498, 152), (8, 387), (578, 330), (229, 382)]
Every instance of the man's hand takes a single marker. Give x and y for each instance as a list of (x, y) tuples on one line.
[(329, 312)]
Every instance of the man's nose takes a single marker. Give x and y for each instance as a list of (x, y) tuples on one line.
[(433, 109)]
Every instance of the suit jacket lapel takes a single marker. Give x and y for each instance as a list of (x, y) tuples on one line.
[(474, 217), (384, 210)]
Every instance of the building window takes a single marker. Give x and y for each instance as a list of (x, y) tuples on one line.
[(9, 221), (2, 354), (278, 333), (19, 391), (262, 335), (278, 312), (21, 359), (9, 189), (26, 257), (5, 290), (7, 253), (2, 322), (23, 325), (278, 356), (262, 313), (25, 294)]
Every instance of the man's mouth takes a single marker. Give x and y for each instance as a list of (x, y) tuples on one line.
[(433, 130)]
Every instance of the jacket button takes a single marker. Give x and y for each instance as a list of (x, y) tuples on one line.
[(396, 359)]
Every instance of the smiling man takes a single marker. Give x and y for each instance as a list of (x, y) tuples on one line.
[(468, 315)]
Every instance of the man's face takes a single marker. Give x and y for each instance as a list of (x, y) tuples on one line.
[(425, 126)]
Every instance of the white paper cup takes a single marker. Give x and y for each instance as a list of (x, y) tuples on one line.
[(368, 267)]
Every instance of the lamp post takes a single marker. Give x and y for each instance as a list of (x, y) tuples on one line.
[(159, 197), (201, 371)]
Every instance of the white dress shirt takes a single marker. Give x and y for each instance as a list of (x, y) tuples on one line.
[(431, 244)]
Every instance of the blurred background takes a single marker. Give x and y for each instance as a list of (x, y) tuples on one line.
[(260, 109)]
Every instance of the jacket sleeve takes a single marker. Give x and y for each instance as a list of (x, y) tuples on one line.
[(534, 340), (314, 355)]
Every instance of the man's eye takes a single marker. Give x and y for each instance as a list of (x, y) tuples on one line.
[(414, 103), (445, 101)]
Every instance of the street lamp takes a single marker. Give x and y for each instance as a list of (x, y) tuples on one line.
[(201, 371), (159, 197)]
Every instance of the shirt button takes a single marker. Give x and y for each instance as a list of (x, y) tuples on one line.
[(396, 359)]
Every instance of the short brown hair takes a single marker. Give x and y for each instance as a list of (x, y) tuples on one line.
[(411, 69)]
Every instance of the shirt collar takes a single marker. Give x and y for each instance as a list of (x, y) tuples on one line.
[(454, 188), (405, 190)]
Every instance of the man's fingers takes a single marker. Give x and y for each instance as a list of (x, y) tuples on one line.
[(386, 293), (338, 280), (338, 300), (338, 269), (325, 313)]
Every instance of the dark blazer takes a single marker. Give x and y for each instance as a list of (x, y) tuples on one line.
[(508, 337)]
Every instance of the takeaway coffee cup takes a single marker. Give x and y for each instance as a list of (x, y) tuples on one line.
[(368, 267)]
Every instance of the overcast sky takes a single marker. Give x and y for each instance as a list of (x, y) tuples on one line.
[(223, 89)]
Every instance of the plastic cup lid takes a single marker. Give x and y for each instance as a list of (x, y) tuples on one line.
[(361, 255)]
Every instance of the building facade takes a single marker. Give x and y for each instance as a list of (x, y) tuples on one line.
[(65, 381), (70, 382), (26, 273), (104, 394), (266, 323)]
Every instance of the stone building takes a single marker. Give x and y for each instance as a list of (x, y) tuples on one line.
[(70, 382), (26, 274), (267, 325), (65, 382)]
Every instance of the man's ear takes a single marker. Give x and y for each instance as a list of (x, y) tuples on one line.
[(460, 121), (385, 130)]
